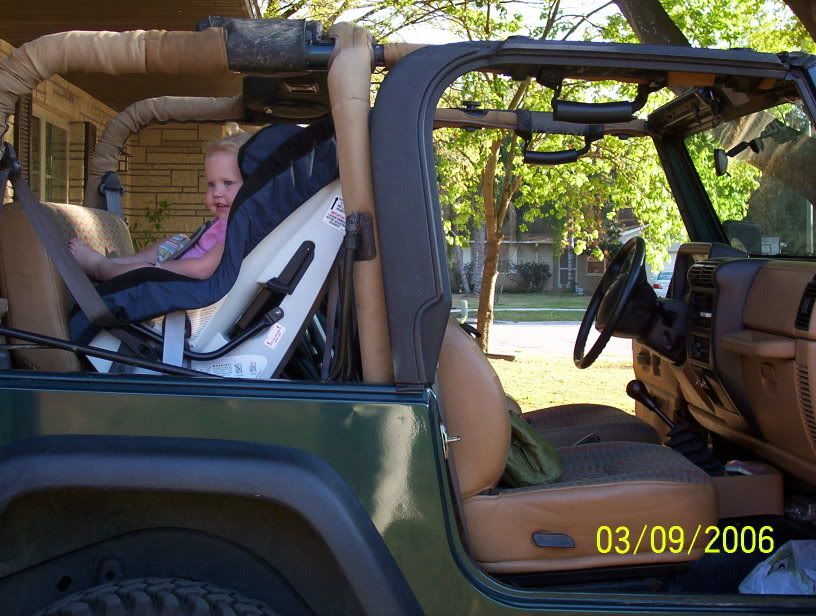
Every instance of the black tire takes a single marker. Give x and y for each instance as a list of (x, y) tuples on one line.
[(157, 597)]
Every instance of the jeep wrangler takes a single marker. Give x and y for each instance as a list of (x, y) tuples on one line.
[(309, 432)]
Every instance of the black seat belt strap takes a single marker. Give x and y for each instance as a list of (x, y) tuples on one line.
[(75, 279), (112, 190)]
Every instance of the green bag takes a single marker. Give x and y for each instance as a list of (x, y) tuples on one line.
[(531, 460)]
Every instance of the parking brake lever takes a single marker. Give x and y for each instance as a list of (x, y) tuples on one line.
[(638, 392)]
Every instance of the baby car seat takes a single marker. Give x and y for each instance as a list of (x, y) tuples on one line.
[(284, 231)]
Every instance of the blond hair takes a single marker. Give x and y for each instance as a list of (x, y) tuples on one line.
[(230, 143)]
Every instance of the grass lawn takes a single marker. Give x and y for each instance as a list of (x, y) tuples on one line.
[(537, 381), (540, 301)]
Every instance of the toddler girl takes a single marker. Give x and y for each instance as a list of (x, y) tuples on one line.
[(200, 260)]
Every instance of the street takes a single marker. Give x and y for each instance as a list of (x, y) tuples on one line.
[(550, 337)]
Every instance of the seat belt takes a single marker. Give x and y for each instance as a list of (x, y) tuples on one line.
[(112, 190), (75, 279)]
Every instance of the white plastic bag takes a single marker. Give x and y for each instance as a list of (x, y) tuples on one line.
[(791, 570)]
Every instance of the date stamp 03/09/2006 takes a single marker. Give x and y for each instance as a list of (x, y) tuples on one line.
[(660, 539)]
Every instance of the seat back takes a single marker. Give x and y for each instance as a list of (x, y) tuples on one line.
[(475, 410), (264, 355), (38, 299)]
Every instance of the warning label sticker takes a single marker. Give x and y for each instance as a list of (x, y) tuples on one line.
[(239, 366), (336, 216), (275, 335)]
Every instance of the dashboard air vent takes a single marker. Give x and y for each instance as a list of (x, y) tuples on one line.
[(702, 275), (806, 402), (806, 305)]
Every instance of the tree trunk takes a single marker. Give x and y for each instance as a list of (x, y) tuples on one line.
[(805, 11), (571, 260), (651, 23), (477, 257), (493, 239), (488, 291)]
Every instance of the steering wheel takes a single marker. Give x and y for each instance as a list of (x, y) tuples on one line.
[(608, 303)]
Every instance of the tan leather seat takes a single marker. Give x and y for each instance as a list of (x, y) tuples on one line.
[(38, 299), (566, 424), (613, 484)]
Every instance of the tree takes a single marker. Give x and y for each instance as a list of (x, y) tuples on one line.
[(484, 168), (805, 11)]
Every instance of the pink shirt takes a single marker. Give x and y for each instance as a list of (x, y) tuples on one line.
[(216, 234)]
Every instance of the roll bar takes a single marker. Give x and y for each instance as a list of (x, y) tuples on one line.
[(140, 114), (112, 53)]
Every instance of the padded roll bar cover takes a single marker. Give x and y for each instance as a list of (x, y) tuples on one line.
[(265, 45), (593, 113), (111, 53), (140, 114), (394, 52), (350, 93)]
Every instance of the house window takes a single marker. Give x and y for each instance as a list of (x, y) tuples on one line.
[(595, 266), (49, 159)]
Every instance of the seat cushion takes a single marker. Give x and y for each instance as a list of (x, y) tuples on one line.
[(603, 484), (567, 424)]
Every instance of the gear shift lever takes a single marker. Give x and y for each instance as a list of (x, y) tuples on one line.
[(680, 438), (638, 392)]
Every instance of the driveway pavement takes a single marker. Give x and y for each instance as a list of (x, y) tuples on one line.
[(549, 337)]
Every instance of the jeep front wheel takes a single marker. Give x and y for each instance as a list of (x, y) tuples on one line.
[(157, 597)]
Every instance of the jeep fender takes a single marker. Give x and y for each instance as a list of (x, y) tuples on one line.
[(278, 475)]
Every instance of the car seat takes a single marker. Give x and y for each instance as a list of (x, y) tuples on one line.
[(284, 231)]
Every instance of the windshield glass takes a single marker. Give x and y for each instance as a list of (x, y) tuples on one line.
[(757, 174)]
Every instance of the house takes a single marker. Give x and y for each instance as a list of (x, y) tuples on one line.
[(54, 130), (538, 246)]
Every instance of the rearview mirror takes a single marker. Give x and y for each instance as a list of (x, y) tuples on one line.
[(720, 162)]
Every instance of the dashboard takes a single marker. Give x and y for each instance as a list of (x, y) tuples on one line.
[(749, 372)]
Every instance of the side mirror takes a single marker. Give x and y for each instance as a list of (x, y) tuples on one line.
[(720, 162)]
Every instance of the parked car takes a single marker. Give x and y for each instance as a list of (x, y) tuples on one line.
[(308, 433), (661, 283)]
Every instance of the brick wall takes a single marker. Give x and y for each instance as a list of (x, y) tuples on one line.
[(166, 163)]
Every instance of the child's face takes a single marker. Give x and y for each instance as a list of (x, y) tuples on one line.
[(223, 181)]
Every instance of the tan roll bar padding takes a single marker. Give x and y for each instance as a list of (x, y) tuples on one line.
[(160, 109), (394, 52), (112, 53), (350, 94)]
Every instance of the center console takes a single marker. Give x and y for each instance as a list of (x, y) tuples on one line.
[(699, 344), (718, 288)]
